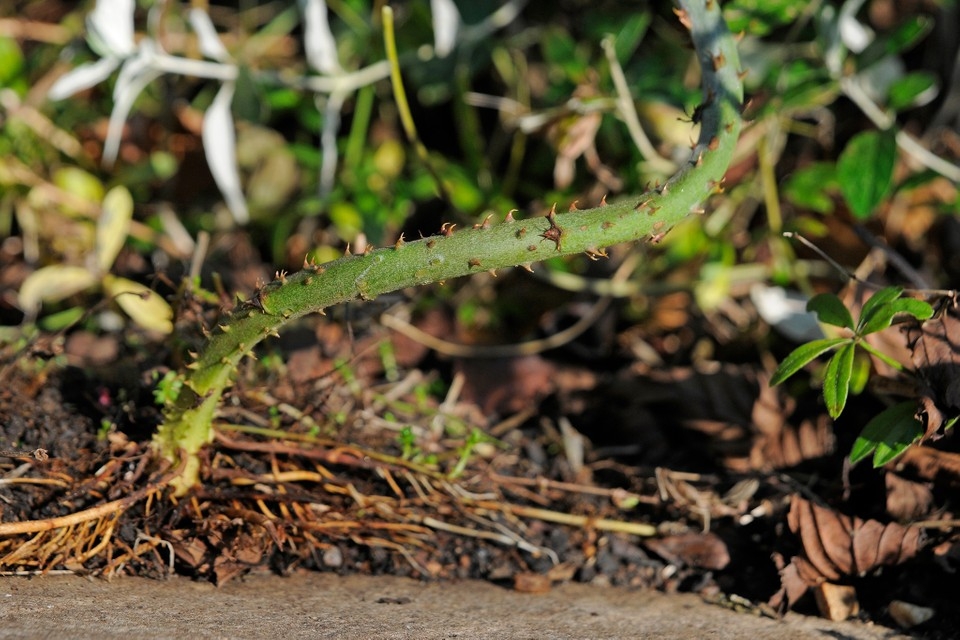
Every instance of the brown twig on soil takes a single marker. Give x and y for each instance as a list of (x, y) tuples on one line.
[(93, 513), (37, 454), (587, 522), (572, 487)]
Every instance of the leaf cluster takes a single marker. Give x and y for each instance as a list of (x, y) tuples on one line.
[(893, 430)]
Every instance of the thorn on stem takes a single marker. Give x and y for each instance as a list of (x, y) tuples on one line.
[(555, 232)]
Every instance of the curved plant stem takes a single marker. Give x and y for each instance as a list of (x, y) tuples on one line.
[(188, 418)]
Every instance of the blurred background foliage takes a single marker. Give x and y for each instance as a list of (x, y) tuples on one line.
[(520, 115)]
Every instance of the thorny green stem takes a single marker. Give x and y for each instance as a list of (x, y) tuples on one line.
[(188, 419)]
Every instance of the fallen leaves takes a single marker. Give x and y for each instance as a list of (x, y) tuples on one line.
[(837, 546), (936, 355)]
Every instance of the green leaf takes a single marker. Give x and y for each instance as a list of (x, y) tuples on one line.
[(888, 434), (836, 380), (861, 373), (913, 89), (883, 316), (630, 34), (802, 355), (808, 188), (757, 17), (11, 62), (831, 310), (908, 34), (876, 305), (917, 308), (905, 36), (865, 171)]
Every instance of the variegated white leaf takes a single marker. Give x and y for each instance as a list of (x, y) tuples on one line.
[(135, 74), (786, 311), (110, 28), (321, 48), (210, 44), (220, 147), (328, 141), (855, 35), (83, 77), (446, 26)]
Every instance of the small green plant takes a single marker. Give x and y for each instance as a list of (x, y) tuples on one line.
[(168, 387), (106, 426), (894, 429), (407, 440), (466, 451)]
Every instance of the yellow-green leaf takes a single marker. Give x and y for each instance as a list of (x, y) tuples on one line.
[(113, 226), (142, 304), (52, 284)]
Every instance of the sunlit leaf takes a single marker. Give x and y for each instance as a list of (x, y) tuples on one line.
[(836, 379), (803, 355), (220, 147), (321, 48), (62, 320), (865, 170), (875, 316), (446, 26), (77, 182), (888, 434), (831, 310), (142, 304), (882, 317), (52, 284), (113, 226), (917, 308), (11, 62)]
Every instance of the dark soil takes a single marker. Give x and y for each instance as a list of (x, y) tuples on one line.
[(309, 470)]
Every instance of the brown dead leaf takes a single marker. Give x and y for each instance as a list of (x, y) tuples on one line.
[(838, 545), (506, 385), (780, 444), (941, 468), (906, 499), (935, 344), (730, 411), (573, 136), (527, 582), (836, 601), (692, 549)]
